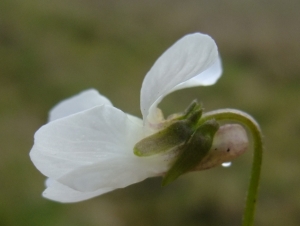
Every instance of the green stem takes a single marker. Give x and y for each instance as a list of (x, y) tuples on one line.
[(247, 121)]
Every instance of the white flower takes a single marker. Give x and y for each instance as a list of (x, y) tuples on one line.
[(86, 149)]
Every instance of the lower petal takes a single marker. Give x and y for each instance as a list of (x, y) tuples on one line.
[(117, 172), (61, 193)]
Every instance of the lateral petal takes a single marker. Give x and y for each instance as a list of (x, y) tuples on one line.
[(85, 100)]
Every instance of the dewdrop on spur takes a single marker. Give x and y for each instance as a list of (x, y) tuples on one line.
[(226, 164)]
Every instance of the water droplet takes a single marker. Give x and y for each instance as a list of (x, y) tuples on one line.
[(226, 164)]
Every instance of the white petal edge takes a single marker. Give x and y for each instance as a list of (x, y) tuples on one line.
[(187, 58), (60, 193), (87, 137), (80, 102), (208, 77)]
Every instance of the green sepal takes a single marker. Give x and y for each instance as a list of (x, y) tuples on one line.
[(193, 151), (192, 108), (166, 139)]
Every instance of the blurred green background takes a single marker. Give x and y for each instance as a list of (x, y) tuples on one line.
[(50, 50)]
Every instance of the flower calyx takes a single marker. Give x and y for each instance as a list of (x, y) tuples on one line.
[(178, 128), (184, 136)]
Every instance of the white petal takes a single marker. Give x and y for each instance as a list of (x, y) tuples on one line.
[(82, 101), (84, 138), (61, 193), (117, 172), (187, 58)]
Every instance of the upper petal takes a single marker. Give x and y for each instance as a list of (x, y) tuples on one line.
[(80, 102), (84, 138), (187, 58)]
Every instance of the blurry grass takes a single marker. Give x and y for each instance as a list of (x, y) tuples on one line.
[(52, 50)]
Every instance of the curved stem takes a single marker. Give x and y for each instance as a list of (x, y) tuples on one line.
[(247, 121)]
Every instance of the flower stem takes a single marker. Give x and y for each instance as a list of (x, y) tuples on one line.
[(247, 121)]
